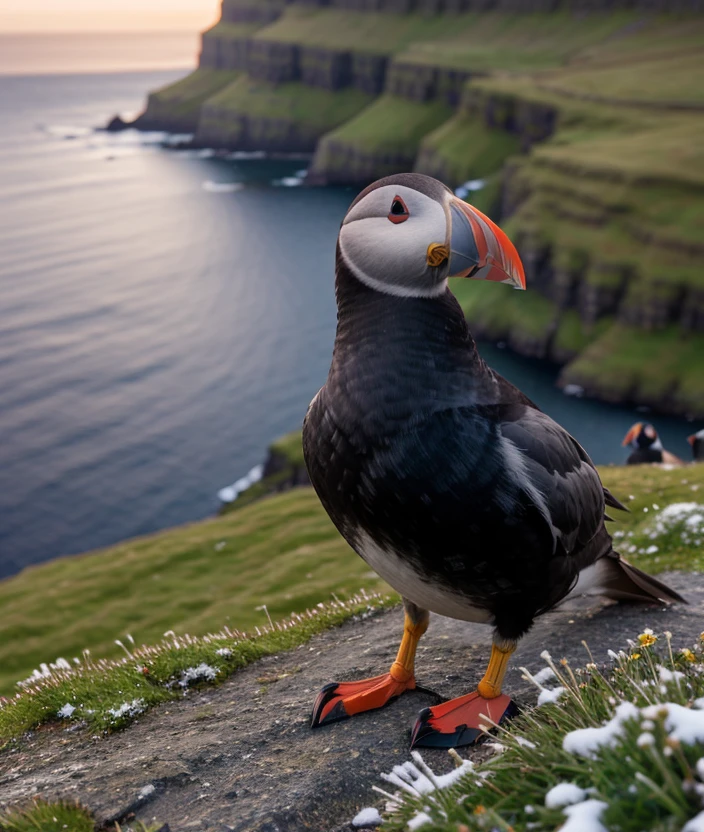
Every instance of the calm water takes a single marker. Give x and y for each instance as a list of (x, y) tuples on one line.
[(156, 330)]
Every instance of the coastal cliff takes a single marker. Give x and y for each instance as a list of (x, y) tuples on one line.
[(573, 125)]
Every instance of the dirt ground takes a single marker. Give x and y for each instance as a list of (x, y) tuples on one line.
[(242, 756)]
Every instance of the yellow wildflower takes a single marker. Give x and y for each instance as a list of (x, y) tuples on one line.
[(647, 637), (688, 655), (634, 657), (479, 810)]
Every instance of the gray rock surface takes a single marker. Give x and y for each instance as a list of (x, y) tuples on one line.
[(242, 757)]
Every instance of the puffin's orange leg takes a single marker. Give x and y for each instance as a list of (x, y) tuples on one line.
[(339, 700), (458, 721)]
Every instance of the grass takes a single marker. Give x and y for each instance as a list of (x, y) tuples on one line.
[(58, 817), (183, 100), (659, 367), (289, 447), (461, 149), (669, 80), (646, 773), (391, 125), (313, 109), (106, 695), (231, 31), (337, 29), (282, 552), (515, 42), (515, 314)]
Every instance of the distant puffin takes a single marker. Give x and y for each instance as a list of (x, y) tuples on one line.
[(647, 447), (441, 475), (696, 440)]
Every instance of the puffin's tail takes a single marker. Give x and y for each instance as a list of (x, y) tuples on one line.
[(614, 577)]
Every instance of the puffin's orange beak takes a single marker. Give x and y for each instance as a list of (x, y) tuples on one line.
[(480, 249), (632, 434), (692, 439)]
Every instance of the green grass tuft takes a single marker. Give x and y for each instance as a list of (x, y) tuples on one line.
[(108, 695), (282, 551), (59, 817)]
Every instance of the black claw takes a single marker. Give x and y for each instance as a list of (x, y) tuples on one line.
[(325, 695), (425, 736)]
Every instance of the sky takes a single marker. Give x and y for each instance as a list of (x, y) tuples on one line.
[(106, 15)]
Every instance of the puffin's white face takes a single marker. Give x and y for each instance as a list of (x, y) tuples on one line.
[(385, 238), (406, 234)]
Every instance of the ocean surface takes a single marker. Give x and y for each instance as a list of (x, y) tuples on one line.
[(164, 315)]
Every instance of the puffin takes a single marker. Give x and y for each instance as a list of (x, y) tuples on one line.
[(445, 478), (647, 447), (696, 440)]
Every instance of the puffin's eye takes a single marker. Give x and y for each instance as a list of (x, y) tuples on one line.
[(399, 211)]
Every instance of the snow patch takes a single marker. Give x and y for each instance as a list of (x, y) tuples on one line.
[(550, 696), (564, 794), (584, 817), (419, 820), (696, 824), (586, 741), (683, 724), (146, 791), (525, 743), (547, 674), (367, 817)]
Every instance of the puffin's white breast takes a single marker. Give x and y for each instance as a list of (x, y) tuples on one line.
[(400, 574)]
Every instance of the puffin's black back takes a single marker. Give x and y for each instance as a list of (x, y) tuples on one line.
[(414, 442)]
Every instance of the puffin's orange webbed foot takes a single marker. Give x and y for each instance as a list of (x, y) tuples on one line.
[(340, 700), (458, 722)]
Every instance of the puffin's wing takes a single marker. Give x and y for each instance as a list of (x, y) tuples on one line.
[(554, 464)]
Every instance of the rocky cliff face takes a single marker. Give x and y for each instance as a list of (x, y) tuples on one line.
[(603, 260)]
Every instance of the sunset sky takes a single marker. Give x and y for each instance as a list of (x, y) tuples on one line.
[(106, 15)]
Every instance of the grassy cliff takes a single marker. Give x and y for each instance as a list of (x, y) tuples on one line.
[(582, 129)]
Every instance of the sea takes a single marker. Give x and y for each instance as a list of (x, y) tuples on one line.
[(164, 315)]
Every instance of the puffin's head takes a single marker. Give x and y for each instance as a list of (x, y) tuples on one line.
[(406, 234), (642, 436)]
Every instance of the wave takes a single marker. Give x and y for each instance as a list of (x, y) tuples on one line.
[(245, 154), (294, 181), (222, 187), (232, 492), (65, 132)]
